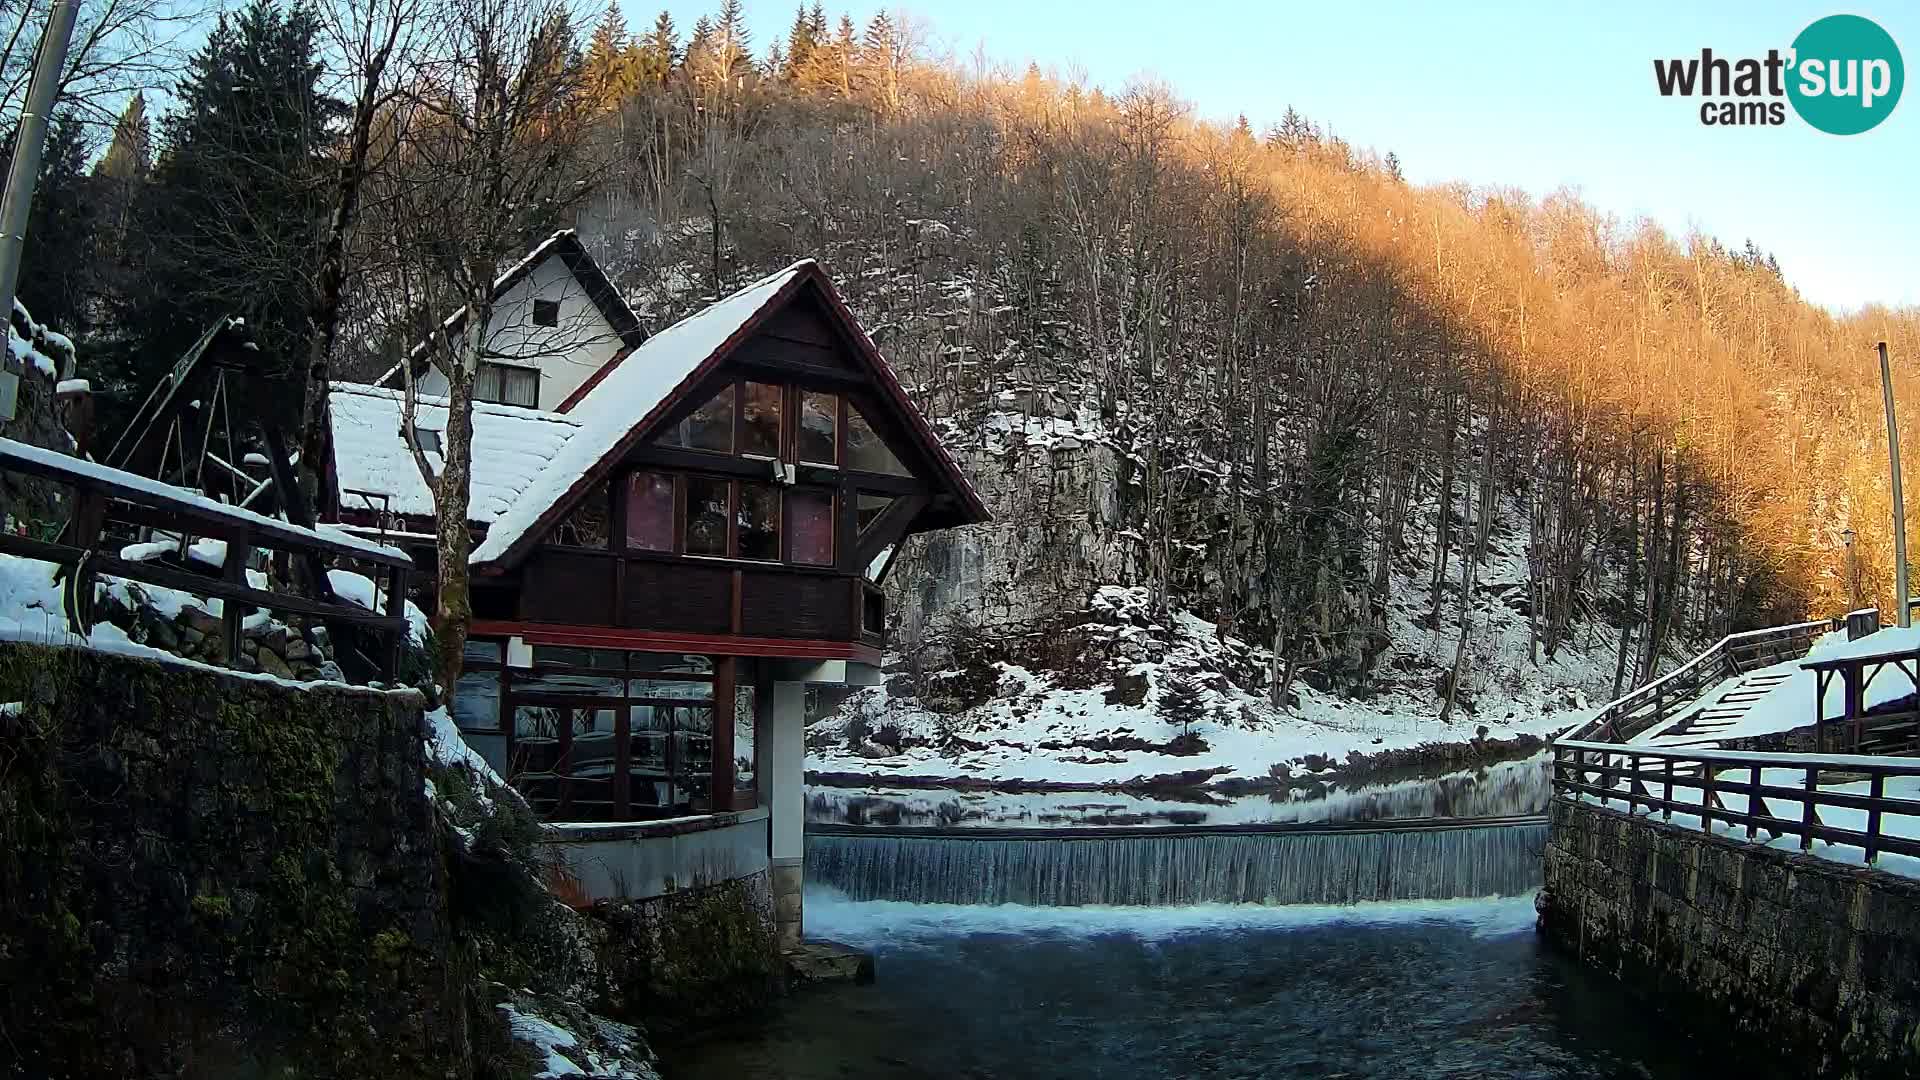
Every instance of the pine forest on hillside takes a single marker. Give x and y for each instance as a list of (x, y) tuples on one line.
[(1252, 372)]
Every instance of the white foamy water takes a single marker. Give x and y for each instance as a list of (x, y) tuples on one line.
[(883, 923)]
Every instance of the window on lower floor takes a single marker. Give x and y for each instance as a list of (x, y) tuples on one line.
[(598, 734), (707, 511), (759, 536), (501, 384)]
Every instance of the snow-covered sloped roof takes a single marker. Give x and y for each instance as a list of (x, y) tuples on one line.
[(511, 447), (625, 395)]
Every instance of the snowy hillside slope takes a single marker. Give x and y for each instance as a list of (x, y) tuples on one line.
[(1102, 723), (1039, 647)]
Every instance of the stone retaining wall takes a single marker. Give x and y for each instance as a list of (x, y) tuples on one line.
[(1821, 958), (209, 875)]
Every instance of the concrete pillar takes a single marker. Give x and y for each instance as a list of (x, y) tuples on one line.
[(786, 808)]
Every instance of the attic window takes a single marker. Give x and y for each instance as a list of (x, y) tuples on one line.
[(546, 313), (866, 451)]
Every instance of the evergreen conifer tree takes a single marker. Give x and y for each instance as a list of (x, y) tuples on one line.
[(233, 215), (801, 43), (610, 61), (57, 263), (659, 51), (1180, 702)]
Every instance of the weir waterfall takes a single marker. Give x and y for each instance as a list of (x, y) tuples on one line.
[(1407, 860)]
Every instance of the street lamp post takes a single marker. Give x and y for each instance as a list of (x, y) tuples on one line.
[(1903, 617)]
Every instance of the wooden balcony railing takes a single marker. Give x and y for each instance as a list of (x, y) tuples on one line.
[(1654, 702), (105, 497), (1649, 779)]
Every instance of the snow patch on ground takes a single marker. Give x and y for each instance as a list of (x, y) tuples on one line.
[(564, 1053)]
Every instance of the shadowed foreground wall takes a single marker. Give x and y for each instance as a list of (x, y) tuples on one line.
[(210, 876), (1820, 958)]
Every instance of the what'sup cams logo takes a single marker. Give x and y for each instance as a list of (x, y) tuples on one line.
[(1843, 75)]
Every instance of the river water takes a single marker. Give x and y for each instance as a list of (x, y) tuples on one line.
[(1500, 789), (1424, 989)]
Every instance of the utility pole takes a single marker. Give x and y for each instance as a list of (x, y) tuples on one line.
[(1901, 614), (24, 171)]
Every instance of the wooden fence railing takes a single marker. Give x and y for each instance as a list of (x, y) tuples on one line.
[(1654, 702), (103, 497), (1647, 779)]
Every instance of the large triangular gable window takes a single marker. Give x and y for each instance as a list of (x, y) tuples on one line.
[(709, 427), (866, 451)]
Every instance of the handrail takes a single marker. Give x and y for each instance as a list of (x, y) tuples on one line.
[(104, 495), (1608, 772), (1608, 720)]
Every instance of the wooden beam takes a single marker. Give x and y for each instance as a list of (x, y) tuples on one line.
[(889, 528), (608, 637)]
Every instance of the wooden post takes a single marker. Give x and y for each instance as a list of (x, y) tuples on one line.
[(724, 681), (1807, 815), (1706, 797), (396, 609), (1876, 790), (1753, 800), (1666, 812), (233, 612)]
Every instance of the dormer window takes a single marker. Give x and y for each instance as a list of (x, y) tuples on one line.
[(546, 313)]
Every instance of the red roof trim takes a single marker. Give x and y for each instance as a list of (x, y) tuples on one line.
[(594, 379), (609, 637)]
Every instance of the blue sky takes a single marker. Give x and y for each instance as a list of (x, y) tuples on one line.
[(1531, 95)]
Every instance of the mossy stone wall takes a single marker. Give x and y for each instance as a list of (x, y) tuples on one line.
[(210, 876)]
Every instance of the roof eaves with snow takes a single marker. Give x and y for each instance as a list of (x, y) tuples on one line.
[(375, 468), (655, 375), (648, 380)]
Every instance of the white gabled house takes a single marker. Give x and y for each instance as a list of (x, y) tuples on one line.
[(556, 321)]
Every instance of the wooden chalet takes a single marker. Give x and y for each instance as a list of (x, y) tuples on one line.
[(667, 557)]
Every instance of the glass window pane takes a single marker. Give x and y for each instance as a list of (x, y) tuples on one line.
[(673, 689), (569, 656), (476, 701), (593, 743), (650, 512), (819, 416), (706, 516), (689, 663), (865, 450), (743, 710), (647, 757), (812, 527), (554, 682), (759, 521), (760, 420), (587, 524), (709, 428), (869, 508)]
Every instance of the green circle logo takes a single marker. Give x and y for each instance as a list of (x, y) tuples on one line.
[(1846, 76)]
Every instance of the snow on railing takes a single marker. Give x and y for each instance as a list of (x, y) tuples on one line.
[(1685, 681), (1645, 779)]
